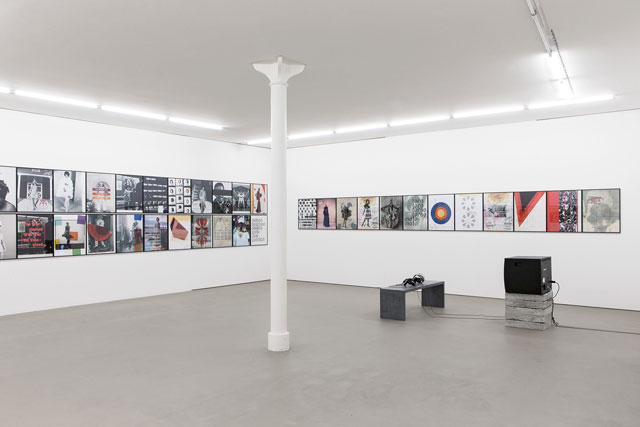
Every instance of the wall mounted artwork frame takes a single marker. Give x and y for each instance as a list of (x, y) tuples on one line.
[(259, 230), (179, 232), (129, 233), (259, 204), (35, 190), (307, 214), (564, 211), (70, 235), (7, 236), (101, 192), (69, 191), (241, 198), (601, 211), (441, 212), (326, 214), (129, 193), (368, 213), (530, 211), (34, 235), (498, 211), (391, 213), (347, 212), (156, 233), (469, 212), (201, 232), (415, 212), (8, 189), (241, 230)]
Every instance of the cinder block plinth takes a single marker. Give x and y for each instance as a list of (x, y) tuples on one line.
[(528, 311)]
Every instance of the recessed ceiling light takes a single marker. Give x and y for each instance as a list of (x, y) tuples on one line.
[(361, 128), (130, 112), (54, 98), (195, 123), (573, 101), (488, 111), (313, 134), (259, 141), (419, 120), (4, 89)]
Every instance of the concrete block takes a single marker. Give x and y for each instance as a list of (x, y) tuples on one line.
[(527, 325), (527, 297)]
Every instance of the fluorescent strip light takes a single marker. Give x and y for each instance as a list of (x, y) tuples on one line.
[(314, 134), (195, 123), (599, 98), (53, 98), (259, 141), (419, 120), (488, 111), (5, 90), (360, 128), (130, 112)]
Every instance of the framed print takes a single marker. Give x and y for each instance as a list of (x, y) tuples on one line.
[(7, 189), (346, 212), (201, 200), (415, 212), (100, 192), (156, 233), (601, 211), (530, 209), (70, 235), (7, 236), (129, 232), (101, 234), (259, 198), (326, 214), (179, 232), (442, 212), (69, 191), (564, 211), (129, 193), (498, 211), (35, 190), (241, 198), (154, 194), (222, 198), (468, 212), (391, 213), (241, 230), (180, 188), (368, 213), (258, 230), (222, 231), (35, 236), (201, 232), (307, 211)]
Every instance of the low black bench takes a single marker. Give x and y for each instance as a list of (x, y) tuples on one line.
[(392, 298)]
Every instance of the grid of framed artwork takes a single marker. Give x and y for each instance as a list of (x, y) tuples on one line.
[(568, 211), (54, 213)]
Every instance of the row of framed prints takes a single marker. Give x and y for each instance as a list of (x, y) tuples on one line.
[(572, 211), (68, 191), (46, 235)]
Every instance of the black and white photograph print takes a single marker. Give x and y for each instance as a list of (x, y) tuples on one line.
[(201, 196), (34, 236), (347, 212), (241, 198), (222, 231), (69, 191), (154, 196), (7, 236), (391, 213), (101, 195), (259, 232), (129, 189), (101, 234), (8, 191), (307, 219), (179, 232), (415, 212), (241, 230), (201, 232), (180, 189), (35, 190), (222, 198), (156, 233), (129, 233), (70, 231)]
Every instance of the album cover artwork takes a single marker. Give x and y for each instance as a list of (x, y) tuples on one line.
[(241, 198), (468, 212), (7, 236), (307, 211), (179, 232), (35, 236), (241, 230), (326, 214), (368, 213), (498, 211), (129, 233), (441, 212), (564, 211), (180, 189), (201, 196), (155, 194), (156, 233), (70, 235), (35, 190), (101, 234), (258, 230), (7, 189), (415, 212), (601, 211), (391, 213), (101, 192), (347, 212), (201, 232), (69, 192), (530, 210), (222, 198), (129, 193), (222, 231), (259, 198)]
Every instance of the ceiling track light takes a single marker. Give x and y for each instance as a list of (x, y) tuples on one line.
[(131, 112), (195, 123), (362, 128), (314, 134), (5, 90), (573, 101), (56, 99), (488, 112), (419, 120)]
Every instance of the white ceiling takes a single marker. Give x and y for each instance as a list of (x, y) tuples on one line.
[(367, 60)]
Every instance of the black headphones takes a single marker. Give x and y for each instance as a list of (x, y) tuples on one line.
[(417, 279)]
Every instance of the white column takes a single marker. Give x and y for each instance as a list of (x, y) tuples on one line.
[(278, 71)]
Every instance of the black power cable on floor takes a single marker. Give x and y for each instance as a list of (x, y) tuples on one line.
[(455, 315)]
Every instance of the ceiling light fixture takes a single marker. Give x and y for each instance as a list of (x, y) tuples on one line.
[(259, 141), (362, 128), (313, 134), (550, 104), (130, 112), (196, 123), (488, 111), (4, 89), (420, 120), (54, 98)]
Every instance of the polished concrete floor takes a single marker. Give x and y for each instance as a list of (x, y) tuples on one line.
[(199, 359)]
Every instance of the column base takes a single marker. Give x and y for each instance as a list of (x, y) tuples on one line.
[(278, 341)]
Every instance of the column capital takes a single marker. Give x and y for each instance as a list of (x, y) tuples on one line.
[(279, 70)]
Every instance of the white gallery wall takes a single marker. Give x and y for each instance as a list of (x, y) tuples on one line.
[(597, 151), (31, 140)]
